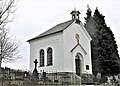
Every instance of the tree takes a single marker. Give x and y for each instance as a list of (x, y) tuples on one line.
[(7, 7), (108, 54), (8, 46), (91, 28), (97, 48), (104, 48), (89, 16)]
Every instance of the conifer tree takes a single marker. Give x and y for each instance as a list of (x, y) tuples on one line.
[(108, 54), (105, 56), (90, 27)]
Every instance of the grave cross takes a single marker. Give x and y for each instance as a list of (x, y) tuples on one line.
[(35, 64), (35, 73)]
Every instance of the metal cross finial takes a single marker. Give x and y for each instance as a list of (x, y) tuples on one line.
[(74, 8)]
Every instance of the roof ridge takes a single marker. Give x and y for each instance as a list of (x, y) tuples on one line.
[(57, 28)]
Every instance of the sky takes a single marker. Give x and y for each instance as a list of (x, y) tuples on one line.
[(33, 17)]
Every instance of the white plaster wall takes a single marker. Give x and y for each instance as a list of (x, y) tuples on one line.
[(62, 44), (69, 42), (55, 42)]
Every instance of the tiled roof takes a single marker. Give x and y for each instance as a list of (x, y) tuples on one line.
[(55, 29)]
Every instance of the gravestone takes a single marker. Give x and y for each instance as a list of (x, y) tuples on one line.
[(35, 72)]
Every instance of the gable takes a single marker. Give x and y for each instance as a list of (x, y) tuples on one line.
[(78, 27), (70, 42)]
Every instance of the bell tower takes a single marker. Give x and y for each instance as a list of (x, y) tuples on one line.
[(75, 14)]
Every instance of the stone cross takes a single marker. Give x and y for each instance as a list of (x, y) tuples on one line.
[(35, 73), (35, 63)]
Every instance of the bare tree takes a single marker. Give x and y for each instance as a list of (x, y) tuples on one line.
[(8, 45), (7, 7)]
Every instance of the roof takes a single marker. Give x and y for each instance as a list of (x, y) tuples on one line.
[(58, 28), (78, 44)]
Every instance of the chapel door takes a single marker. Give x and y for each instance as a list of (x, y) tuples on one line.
[(77, 64)]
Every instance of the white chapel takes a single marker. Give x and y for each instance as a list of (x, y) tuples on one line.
[(65, 47)]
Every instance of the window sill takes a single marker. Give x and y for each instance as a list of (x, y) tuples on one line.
[(49, 65), (41, 66)]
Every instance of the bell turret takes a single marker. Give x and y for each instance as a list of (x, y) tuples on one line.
[(75, 14)]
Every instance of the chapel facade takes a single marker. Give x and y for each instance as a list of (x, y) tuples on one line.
[(65, 47)]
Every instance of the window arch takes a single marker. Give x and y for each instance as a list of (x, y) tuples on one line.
[(41, 57), (49, 56)]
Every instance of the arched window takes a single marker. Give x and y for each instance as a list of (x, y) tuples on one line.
[(49, 56), (41, 57)]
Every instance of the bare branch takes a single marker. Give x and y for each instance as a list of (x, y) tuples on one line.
[(8, 45), (7, 9)]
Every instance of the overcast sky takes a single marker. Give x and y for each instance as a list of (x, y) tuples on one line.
[(33, 17)]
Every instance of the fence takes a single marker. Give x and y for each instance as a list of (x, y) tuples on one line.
[(23, 78), (9, 77)]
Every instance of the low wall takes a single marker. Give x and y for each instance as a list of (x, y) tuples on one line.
[(80, 85)]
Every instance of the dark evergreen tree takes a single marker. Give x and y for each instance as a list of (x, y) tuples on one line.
[(108, 54), (90, 27), (110, 59), (105, 56), (89, 16)]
